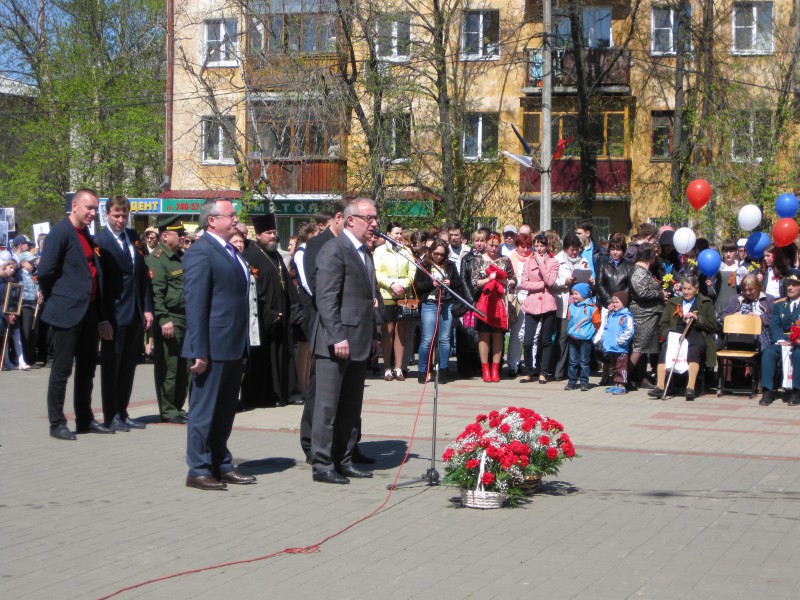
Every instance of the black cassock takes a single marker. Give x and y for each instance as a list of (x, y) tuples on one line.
[(270, 378)]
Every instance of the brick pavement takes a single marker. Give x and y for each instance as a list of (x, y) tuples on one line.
[(669, 500)]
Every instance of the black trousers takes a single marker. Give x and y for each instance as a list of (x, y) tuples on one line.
[(28, 333), (118, 358), (78, 343)]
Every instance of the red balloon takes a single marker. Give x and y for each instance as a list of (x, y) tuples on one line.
[(698, 193), (784, 232)]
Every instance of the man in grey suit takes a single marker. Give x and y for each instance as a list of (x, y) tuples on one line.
[(344, 339)]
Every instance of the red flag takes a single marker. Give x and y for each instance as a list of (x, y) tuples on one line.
[(562, 144)]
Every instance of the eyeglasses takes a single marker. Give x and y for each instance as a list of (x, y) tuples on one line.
[(439, 254), (230, 215), (367, 218)]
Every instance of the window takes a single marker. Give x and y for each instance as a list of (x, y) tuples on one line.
[(400, 137), (394, 37), (294, 131), (217, 134), (606, 133), (221, 43), (751, 134), (480, 34), (752, 28), (294, 27), (665, 30), (480, 136), (596, 28), (661, 123)]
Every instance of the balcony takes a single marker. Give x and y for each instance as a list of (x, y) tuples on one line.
[(596, 62), (304, 175), (613, 177), (276, 70)]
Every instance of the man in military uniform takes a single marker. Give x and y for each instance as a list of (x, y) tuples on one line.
[(785, 314), (166, 272)]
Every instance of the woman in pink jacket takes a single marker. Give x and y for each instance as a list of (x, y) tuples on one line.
[(538, 277)]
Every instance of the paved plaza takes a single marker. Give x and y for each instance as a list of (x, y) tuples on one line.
[(668, 500)]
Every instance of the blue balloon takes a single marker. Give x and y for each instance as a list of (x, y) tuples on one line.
[(756, 244), (787, 205), (708, 261)]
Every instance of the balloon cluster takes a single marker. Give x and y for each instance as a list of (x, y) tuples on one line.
[(784, 231)]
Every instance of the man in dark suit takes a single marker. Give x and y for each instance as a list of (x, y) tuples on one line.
[(217, 314), (344, 338), (785, 314), (128, 301), (313, 246), (70, 278)]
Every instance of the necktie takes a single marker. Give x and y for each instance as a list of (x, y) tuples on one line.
[(793, 306), (369, 266), (232, 251), (125, 247)]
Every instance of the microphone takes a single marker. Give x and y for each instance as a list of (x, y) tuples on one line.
[(381, 234)]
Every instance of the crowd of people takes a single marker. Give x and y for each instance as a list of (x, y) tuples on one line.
[(234, 322)]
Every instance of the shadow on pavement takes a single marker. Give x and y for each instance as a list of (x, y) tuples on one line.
[(266, 466)]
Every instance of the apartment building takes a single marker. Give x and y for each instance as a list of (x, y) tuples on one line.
[(259, 99)]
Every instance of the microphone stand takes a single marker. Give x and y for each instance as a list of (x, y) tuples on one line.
[(431, 476)]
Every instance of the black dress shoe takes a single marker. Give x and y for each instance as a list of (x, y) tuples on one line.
[(134, 424), (690, 395), (237, 477), (330, 477), (355, 473), (767, 398), (117, 425), (362, 459), (94, 427), (794, 399), (205, 482), (62, 433), (655, 392), (176, 420)]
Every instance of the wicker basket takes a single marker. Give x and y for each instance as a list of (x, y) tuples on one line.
[(481, 499), (528, 487)]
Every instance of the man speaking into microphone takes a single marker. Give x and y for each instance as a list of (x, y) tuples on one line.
[(344, 339)]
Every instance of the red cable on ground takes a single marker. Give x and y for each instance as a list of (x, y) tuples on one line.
[(314, 547)]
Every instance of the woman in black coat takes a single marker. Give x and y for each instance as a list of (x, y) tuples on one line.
[(432, 306), (613, 271)]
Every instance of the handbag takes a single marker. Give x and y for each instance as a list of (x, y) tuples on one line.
[(512, 308), (409, 307)]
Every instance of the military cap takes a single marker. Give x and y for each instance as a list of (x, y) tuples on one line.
[(171, 223)]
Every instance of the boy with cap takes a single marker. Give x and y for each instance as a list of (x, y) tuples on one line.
[(584, 319), (616, 342)]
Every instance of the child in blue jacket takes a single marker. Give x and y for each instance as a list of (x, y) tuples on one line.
[(584, 319), (616, 343)]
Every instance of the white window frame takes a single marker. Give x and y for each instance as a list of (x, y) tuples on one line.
[(750, 132), (486, 51), (220, 158), (394, 20), (229, 52), (756, 7), (673, 30), (479, 133)]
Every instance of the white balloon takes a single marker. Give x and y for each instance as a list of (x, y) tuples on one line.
[(749, 217), (684, 240)]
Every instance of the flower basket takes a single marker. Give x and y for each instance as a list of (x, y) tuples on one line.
[(481, 499), (530, 483), (504, 455)]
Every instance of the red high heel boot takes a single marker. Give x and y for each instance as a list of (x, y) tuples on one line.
[(487, 376), (495, 372)]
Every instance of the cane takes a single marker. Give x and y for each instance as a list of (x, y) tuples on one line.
[(5, 345), (675, 360)]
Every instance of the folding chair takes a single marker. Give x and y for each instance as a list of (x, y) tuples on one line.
[(742, 331)]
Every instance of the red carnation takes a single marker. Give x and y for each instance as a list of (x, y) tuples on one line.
[(527, 426), (544, 440), (480, 418), (494, 414), (552, 453), (487, 479), (494, 422), (505, 428), (448, 454), (472, 463)]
